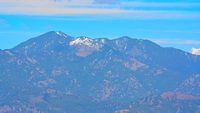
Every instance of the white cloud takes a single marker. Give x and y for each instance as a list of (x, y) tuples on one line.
[(195, 51)]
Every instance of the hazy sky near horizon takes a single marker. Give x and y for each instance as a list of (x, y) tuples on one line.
[(171, 23)]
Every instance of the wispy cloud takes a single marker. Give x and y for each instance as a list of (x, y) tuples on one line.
[(61, 11), (53, 7), (160, 4), (107, 1), (111, 8), (176, 42)]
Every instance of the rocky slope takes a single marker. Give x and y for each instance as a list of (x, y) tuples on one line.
[(55, 72)]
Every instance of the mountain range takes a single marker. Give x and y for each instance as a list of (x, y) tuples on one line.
[(58, 73)]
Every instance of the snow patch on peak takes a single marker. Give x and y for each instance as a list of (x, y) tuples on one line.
[(196, 51), (101, 40), (86, 42), (58, 33), (61, 34), (82, 41)]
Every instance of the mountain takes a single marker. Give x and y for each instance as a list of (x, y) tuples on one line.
[(58, 73)]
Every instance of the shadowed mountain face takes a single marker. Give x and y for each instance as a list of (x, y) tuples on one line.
[(57, 73)]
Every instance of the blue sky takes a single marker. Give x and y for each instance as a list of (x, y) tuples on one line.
[(171, 23)]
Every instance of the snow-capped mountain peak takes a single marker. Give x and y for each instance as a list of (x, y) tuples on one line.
[(86, 42)]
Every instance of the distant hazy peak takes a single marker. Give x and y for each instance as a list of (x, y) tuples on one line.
[(55, 34), (125, 37)]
